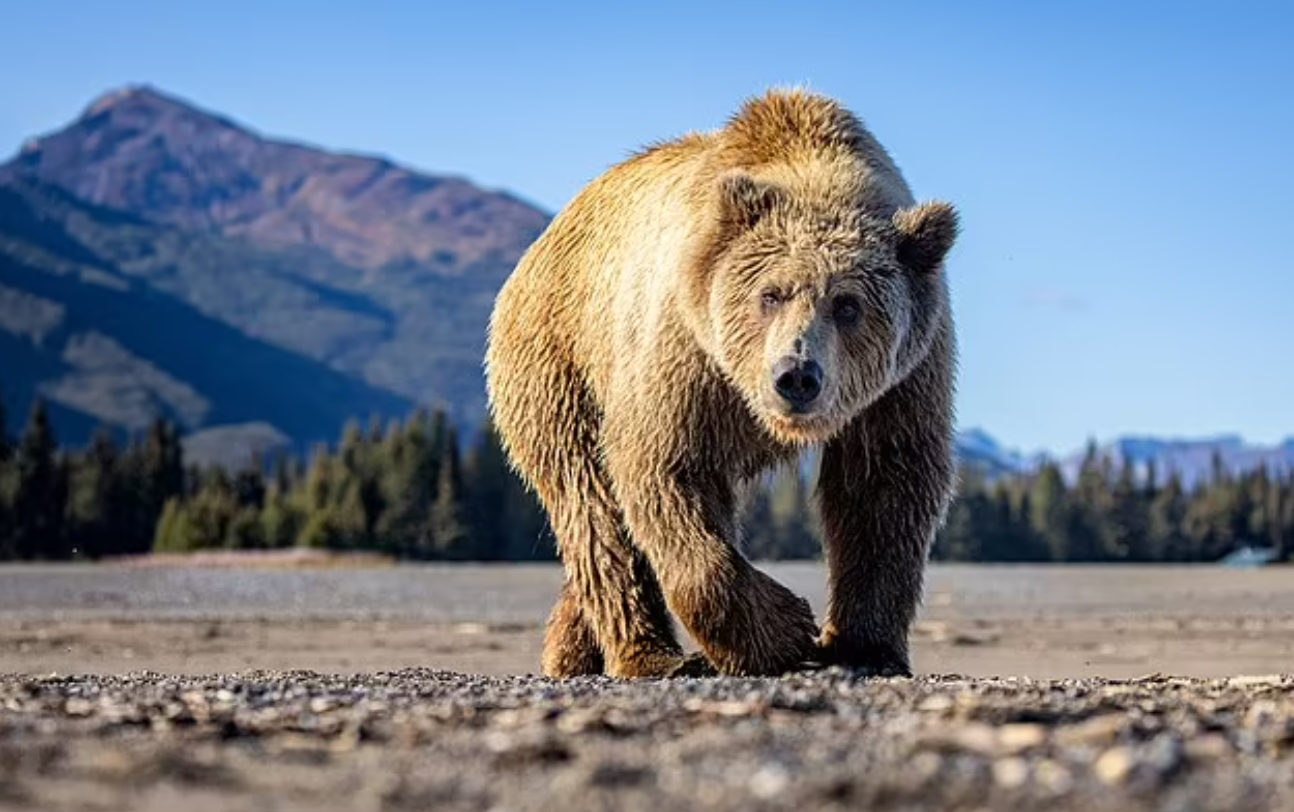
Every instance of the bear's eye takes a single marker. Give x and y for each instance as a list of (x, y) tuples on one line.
[(770, 299), (846, 309)]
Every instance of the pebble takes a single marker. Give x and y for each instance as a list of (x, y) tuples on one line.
[(1207, 747), (974, 737), (1011, 773), (1114, 765), (1257, 681), (1054, 777), (1017, 738), (770, 780), (1097, 730)]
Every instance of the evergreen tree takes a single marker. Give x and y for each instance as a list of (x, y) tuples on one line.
[(447, 530), (320, 487), (245, 531), (8, 551), (1164, 538), (758, 539), (1050, 513), (352, 445), (249, 487), (97, 513), (205, 520), (1003, 528), (1257, 506), (348, 517), (1125, 518), (408, 487), (322, 531), (172, 534), (490, 510), (1213, 517), (1285, 517), (39, 492), (281, 521), (795, 532), (7, 539), (155, 472), (376, 430), (1277, 497), (283, 479), (959, 539), (6, 444)]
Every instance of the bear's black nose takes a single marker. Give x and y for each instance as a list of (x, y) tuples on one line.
[(797, 380)]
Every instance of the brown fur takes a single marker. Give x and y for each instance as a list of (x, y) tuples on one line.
[(630, 374)]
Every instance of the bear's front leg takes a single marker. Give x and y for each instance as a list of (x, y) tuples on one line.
[(883, 490), (745, 622)]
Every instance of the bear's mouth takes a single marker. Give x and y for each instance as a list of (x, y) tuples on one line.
[(800, 427)]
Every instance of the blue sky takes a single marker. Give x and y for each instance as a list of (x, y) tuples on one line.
[(1124, 170)]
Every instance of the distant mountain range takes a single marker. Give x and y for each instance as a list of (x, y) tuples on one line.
[(1192, 459), (160, 259)]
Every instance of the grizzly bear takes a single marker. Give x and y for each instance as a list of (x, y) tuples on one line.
[(704, 311)]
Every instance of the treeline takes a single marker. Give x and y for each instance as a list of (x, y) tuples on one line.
[(408, 489), (102, 501), (1115, 513), (400, 489)]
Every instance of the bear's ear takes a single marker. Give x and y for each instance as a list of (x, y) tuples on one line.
[(926, 234), (744, 201)]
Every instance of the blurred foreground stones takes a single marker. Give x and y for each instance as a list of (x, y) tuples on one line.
[(423, 739)]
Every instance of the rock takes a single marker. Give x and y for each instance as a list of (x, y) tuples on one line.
[(770, 780), (1114, 766), (939, 703), (77, 706), (1098, 730), (1208, 747), (1257, 681), (1054, 777), (973, 737), (1010, 773), (1017, 738)]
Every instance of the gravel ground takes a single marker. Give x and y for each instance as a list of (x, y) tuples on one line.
[(421, 739)]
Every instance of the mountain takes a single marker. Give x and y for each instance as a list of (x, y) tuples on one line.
[(979, 449), (141, 151), (107, 349), (381, 276), (1192, 459)]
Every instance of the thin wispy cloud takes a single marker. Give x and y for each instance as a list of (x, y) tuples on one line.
[(1056, 299)]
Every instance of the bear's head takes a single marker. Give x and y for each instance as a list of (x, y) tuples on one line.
[(818, 307)]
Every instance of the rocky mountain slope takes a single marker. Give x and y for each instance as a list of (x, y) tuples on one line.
[(106, 348)]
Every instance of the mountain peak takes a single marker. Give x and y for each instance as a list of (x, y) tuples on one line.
[(149, 153), (131, 94), (142, 107)]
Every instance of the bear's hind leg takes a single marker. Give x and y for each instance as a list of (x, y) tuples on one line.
[(570, 645)]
